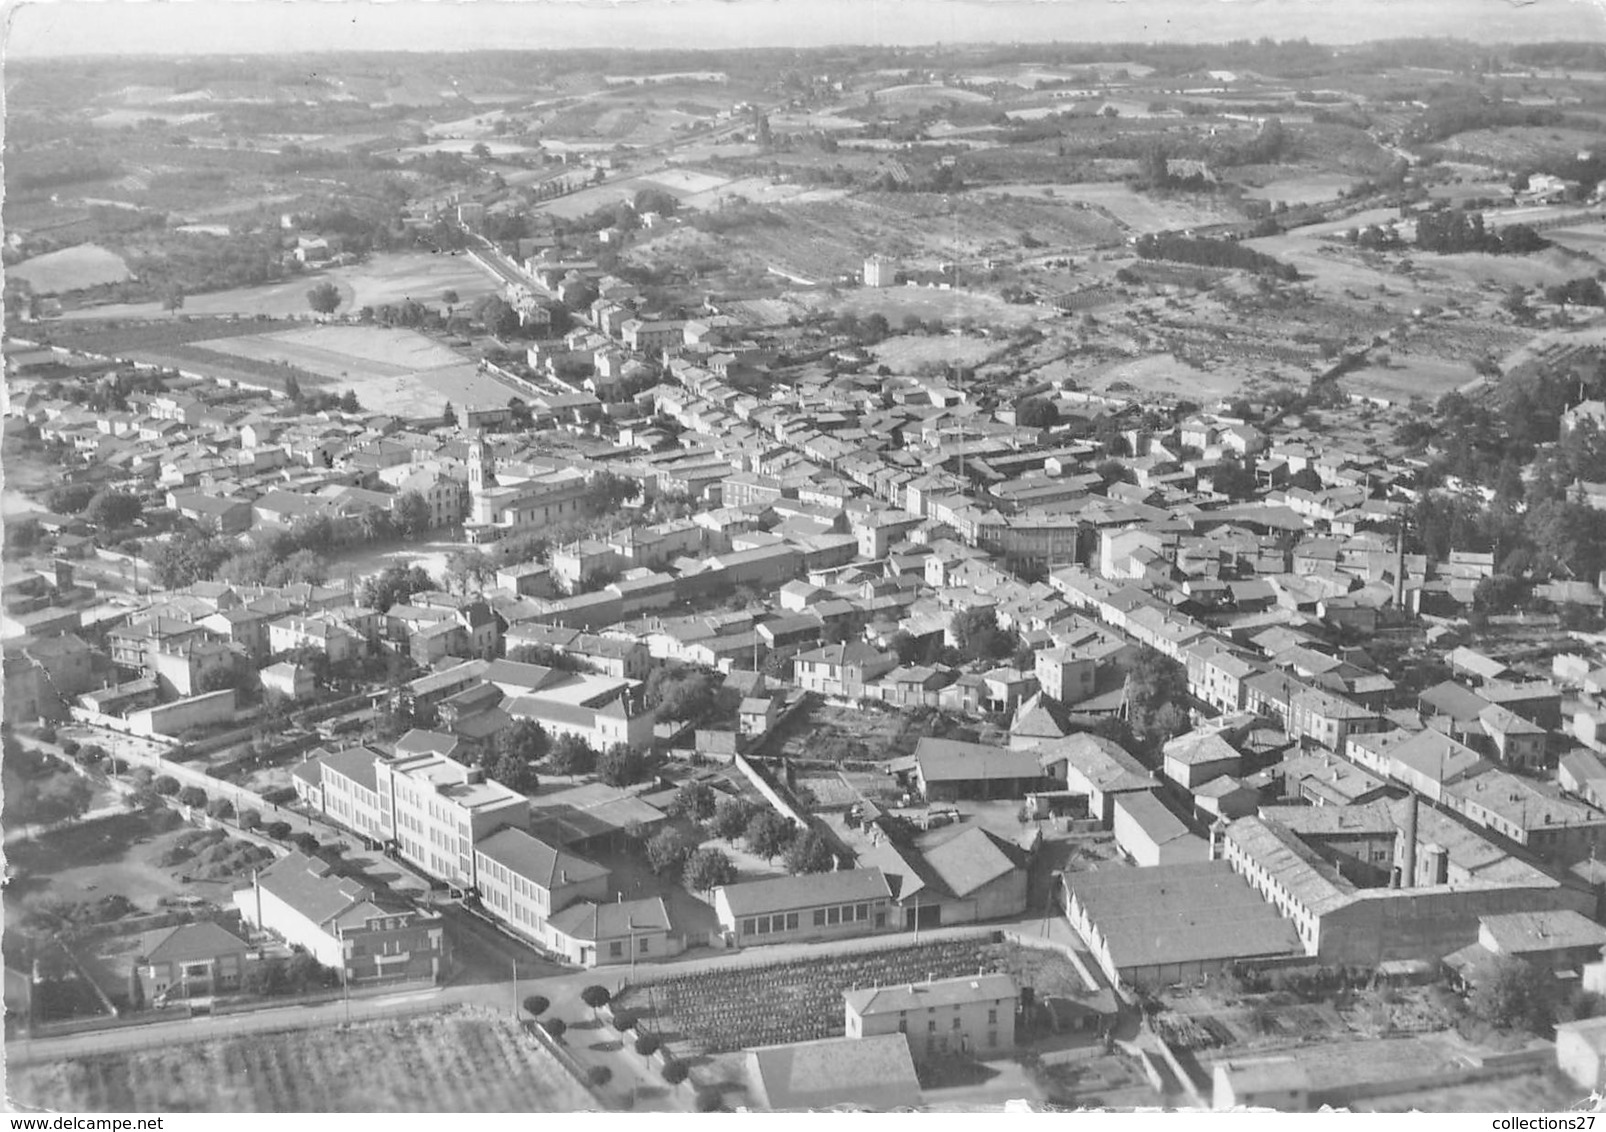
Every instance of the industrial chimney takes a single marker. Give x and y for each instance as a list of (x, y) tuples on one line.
[(1408, 850)]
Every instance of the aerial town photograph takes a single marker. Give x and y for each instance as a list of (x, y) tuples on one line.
[(929, 556)]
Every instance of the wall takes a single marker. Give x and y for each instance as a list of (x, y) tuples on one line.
[(184, 715), (762, 784)]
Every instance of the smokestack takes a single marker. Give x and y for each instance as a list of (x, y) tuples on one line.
[(1399, 565), (1408, 850)]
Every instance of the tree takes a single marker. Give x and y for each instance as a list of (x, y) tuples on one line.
[(676, 1072), (979, 636), (480, 150), (394, 585), (165, 785), (524, 740), (809, 852), (192, 796), (515, 774), (647, 1044), (448, 415), (536, 1005), (596, 997), (707, 869), (556, 1027), (599, 1075), (731, 818), (1156, 696), (571, 755), (687, 695), (172, 298), (449, 297), (349, 402), (324, 298), (768, 834), (220, 808), (292, 389), (1037, 412), (1516, 995), (1306, 479), (695, 800), (667, 852), (621, 765), (411, 515), (69, 498), (250, 819)]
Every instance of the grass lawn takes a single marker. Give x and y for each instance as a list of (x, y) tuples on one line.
[(462, 1061)]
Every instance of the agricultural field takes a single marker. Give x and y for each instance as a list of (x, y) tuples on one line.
[(462, 1061), (402, 370), (390, 278), (1517, 147), (733, 1008), (1139, 212), (71, 269)]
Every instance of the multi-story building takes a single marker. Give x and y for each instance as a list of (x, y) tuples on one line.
[(434, 810), (523, 880), (971, 1014), (343, 924)]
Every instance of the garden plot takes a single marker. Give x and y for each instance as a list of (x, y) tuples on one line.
[(927, 303), (71, 269), (471, 1060)]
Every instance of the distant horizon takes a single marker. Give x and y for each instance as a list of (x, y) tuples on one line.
[(59, 30)]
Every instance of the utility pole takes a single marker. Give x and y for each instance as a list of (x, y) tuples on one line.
[(515, 989)]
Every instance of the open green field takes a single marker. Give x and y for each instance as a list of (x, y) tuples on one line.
[(463, 1061), (1308, 188), (71, 269), (1160, 375), (398, 370), (906, 353), (383, 279), (1410, 376), (926, 303)]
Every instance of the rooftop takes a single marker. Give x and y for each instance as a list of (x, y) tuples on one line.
[(940, 992)]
